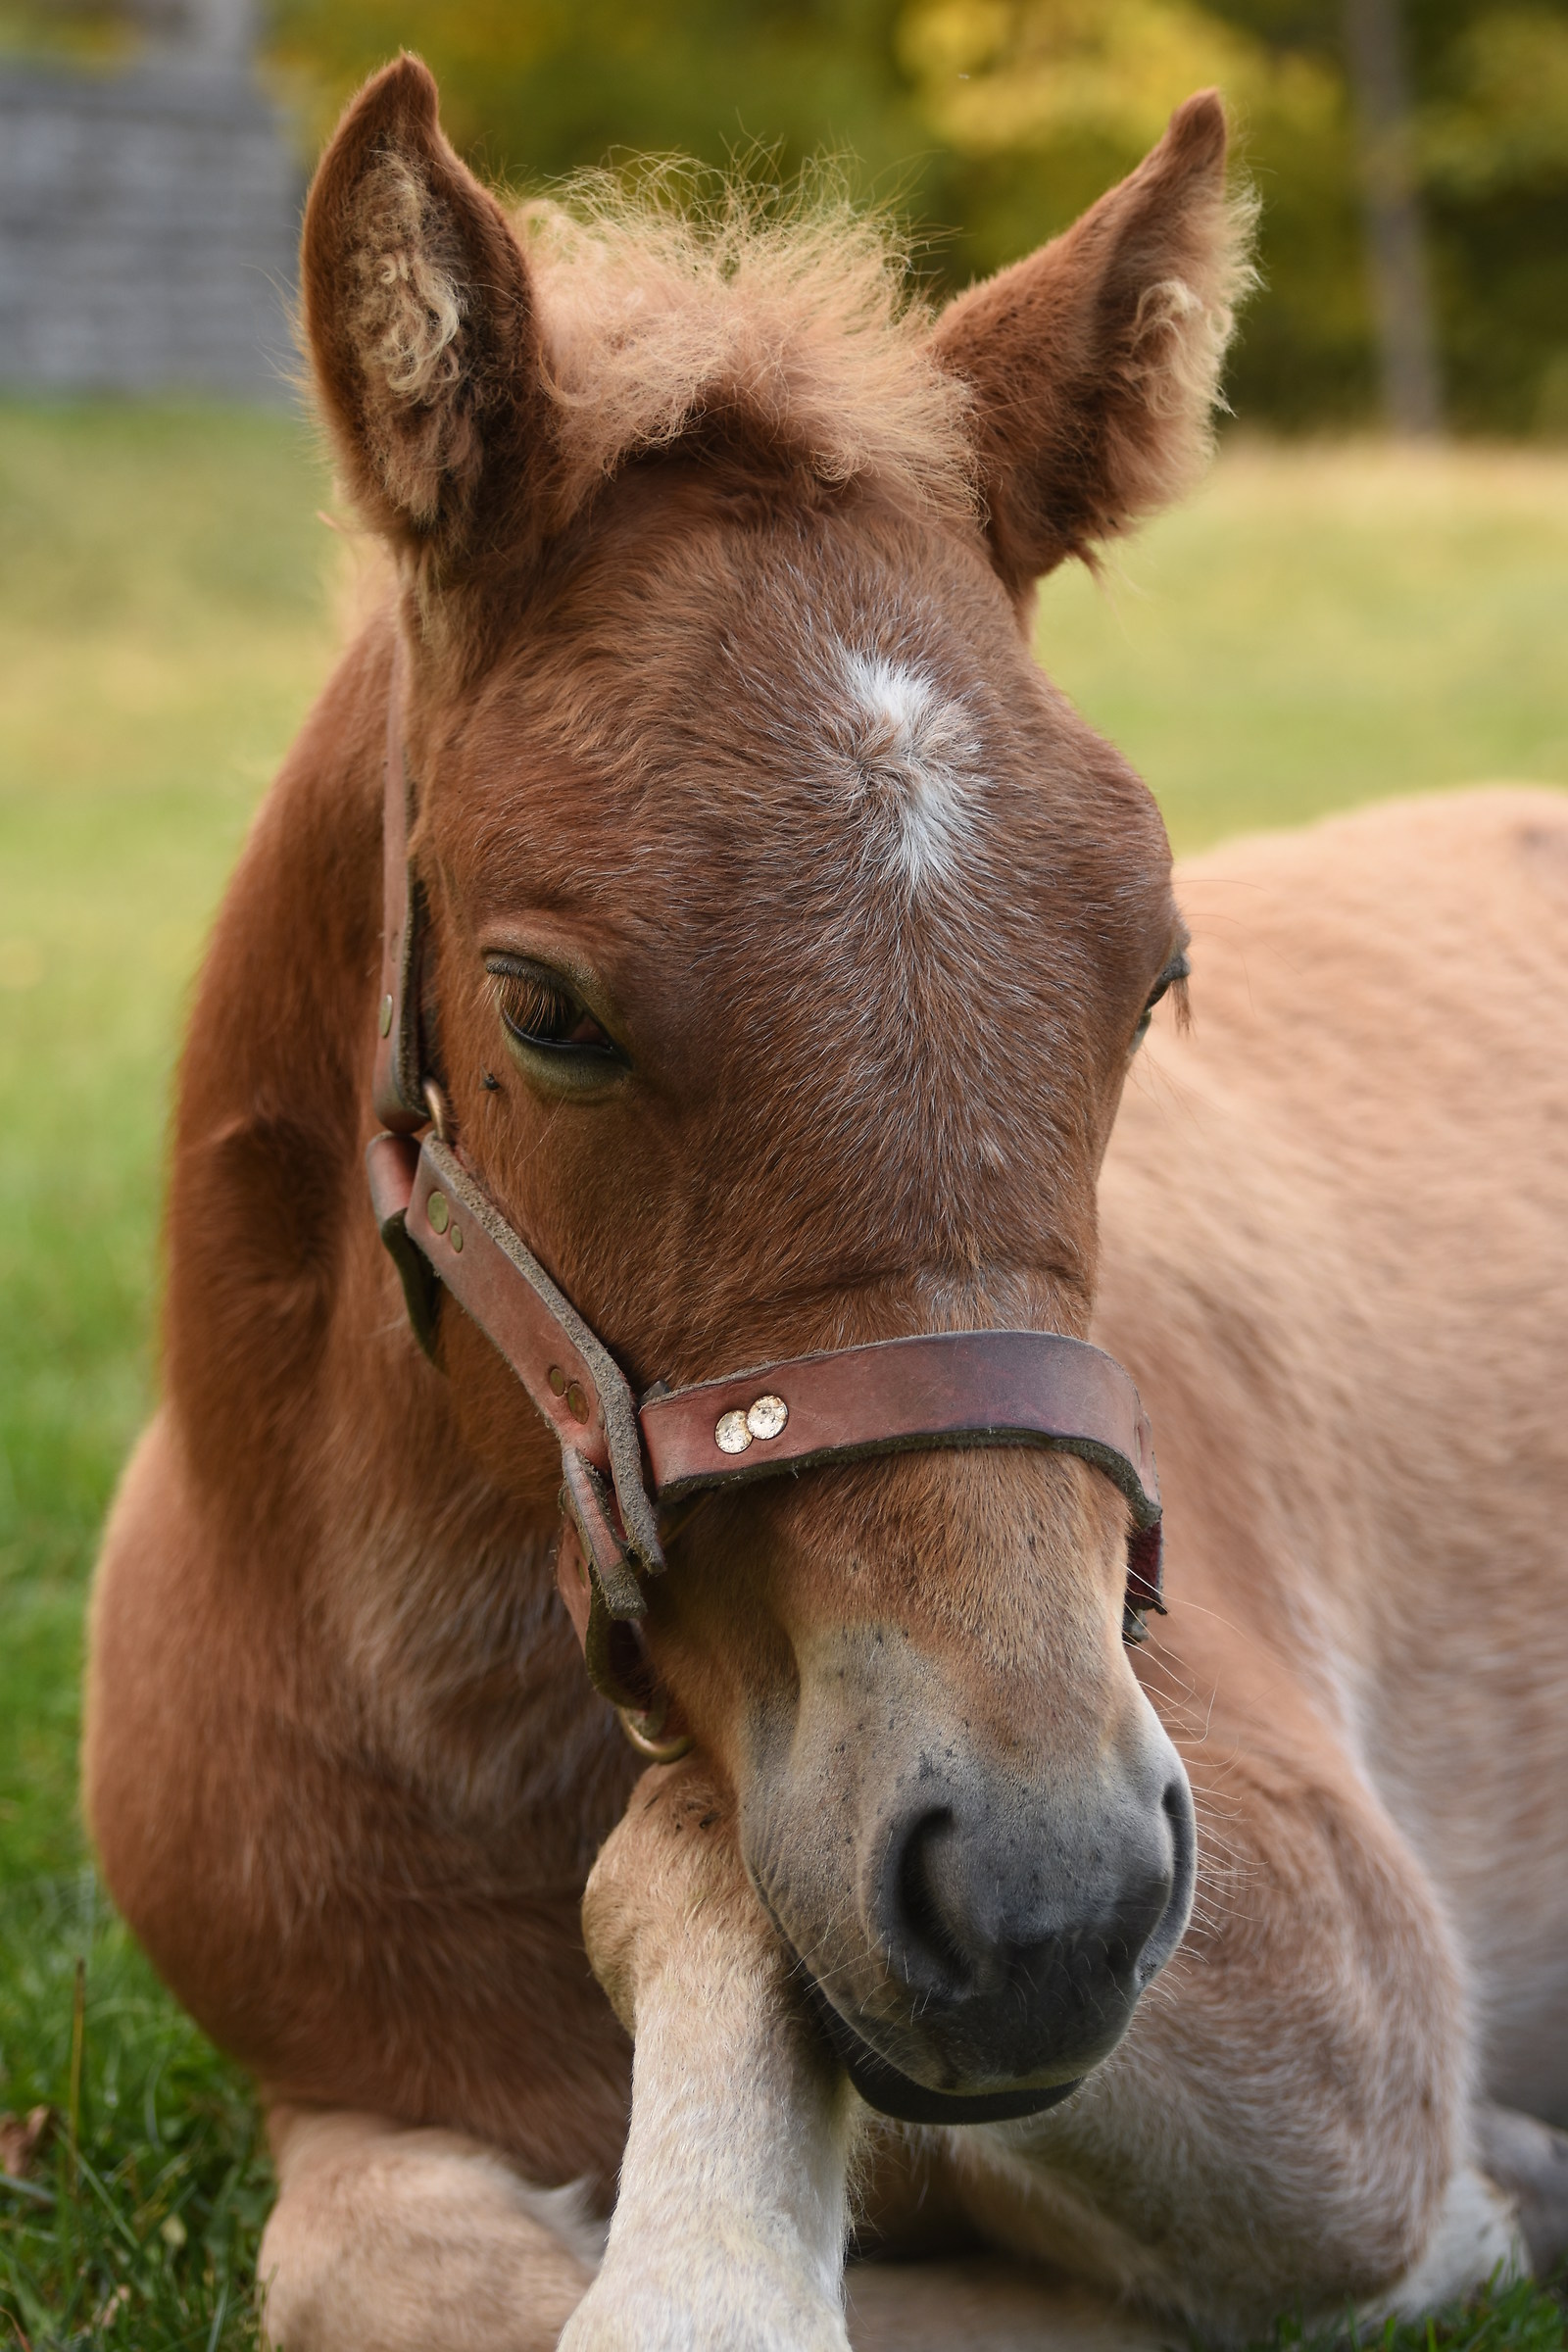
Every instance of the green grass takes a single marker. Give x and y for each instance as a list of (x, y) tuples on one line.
[(138, 2228), (1316, 628), (1505, 2317), (164, 620), (1321, 626)]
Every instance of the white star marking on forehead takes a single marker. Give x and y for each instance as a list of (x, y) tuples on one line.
[(916, 758)]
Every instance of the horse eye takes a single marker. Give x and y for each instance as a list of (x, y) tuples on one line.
[(543, 1012), (1175, 974)]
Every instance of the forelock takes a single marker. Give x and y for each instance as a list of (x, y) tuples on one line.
[(660, 309)]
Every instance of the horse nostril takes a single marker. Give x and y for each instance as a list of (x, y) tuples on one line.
[(971, 1915), (923, 1931), (1168, 1931)]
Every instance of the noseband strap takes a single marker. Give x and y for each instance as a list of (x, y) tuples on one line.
[(625, 1465)]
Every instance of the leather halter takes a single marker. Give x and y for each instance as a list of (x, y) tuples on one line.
[(623, 1461)]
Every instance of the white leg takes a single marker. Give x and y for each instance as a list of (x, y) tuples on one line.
[(388, 2240), (1477, 2233), (1529, 2162), (729, 2233)]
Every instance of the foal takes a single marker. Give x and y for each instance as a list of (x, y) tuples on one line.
[(786, 940)]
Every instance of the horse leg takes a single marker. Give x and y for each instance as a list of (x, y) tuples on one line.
[(729, 2232), (730, 2226), (1529, 2162), (386, 2240)]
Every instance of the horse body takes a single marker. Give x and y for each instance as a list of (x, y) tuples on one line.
[(788, 939), (1364, 1483), (1355, 1265)]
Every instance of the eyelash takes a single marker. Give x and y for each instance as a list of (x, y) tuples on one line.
[(541, 1013), (1175, 975)]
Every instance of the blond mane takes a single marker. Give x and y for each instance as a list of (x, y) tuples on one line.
[(677, 299)]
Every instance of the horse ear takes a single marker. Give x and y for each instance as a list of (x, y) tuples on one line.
[(1095, 363), (420, 322)]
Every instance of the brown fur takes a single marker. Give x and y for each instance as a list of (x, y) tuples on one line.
[(1134, 305), (720, 705)]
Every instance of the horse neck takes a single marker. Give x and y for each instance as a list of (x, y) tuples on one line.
[(305, 1410)]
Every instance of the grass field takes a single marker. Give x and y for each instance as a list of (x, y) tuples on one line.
[(1316, 629)]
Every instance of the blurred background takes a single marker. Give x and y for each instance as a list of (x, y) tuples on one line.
[(1412, 154), (1369, 594)]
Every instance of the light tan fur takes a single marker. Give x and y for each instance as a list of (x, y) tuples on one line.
[(654, 313), (1301, 1206)]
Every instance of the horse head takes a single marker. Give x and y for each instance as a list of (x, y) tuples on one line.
[(786, 941)]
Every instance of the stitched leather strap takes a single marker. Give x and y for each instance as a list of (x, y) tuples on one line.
[(567, 1371), (956, 1388), (395, 1094), (975, 1388)]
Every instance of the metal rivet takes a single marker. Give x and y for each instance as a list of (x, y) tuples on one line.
[(436, 1209), (557, 1380), (767, 1417), (730, 1433), (455, 1237), (384, 1017), (576, 1402)]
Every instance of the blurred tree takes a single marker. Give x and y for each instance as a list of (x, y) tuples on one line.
[(1049, 100), (991, 122), (1492, 125), (1040, 97), (1490, 129), (1374, 40), (537, 87)]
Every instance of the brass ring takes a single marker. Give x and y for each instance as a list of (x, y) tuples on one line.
[(656, 1750), (435, 1103)]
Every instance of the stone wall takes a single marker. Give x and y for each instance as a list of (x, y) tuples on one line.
[(148, 225)]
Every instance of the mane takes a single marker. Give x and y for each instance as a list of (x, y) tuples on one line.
[(672, 302)]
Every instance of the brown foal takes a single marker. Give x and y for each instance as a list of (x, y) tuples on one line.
[(784, 943)]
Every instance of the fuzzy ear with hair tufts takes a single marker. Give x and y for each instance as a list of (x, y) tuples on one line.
[(418, 318), (1094, 363)]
